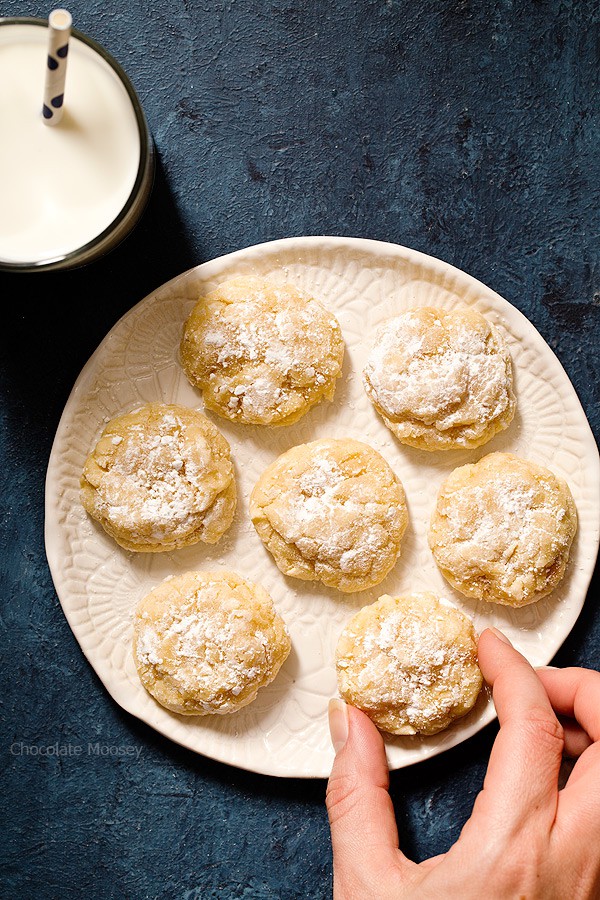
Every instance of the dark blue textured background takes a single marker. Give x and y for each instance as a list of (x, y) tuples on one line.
[(467, 130)]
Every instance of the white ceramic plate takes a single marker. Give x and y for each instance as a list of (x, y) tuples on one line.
[(284, 732)]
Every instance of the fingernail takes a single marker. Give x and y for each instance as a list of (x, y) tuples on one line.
[(541, 668), (338, 723), (500, 636)]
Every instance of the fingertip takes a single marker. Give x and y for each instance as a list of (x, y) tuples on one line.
[(495, 633)]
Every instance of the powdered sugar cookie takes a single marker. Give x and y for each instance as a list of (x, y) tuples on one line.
[(262, 353), (441, 379), (331, 511), (502, 529), (160, 478), (205, 642), (410, 663)]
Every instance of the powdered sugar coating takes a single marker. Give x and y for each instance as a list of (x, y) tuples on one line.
[(410, 663), (502, 529), (261, 352), (206, 642), (441, 378), (331, 511), (160, 478)]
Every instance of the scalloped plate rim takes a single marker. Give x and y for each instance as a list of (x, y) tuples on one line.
[(369, 246)]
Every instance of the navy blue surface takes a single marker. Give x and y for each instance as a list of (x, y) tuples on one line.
[(466, 130)]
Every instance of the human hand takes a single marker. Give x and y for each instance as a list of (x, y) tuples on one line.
[(525, 838)]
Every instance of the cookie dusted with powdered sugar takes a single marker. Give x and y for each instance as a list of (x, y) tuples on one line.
[(502, 530), (160, 478), (206, 642), (410, 663), (441, 379), (262, 353), (331, 511)]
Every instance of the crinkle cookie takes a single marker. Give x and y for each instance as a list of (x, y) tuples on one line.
[(160, 478), (331, 511), (205, 642), (441, 379), (410, 663), (502, 530), (261, 352)]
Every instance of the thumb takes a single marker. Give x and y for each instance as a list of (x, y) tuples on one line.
[(361, 815)]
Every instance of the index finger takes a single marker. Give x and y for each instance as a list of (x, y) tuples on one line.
[(522, 776)]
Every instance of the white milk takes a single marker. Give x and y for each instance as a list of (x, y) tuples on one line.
[(60, 187)]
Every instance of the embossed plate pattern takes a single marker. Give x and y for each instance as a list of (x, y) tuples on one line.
[(284, 732)]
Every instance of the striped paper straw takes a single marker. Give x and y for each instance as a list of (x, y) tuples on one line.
[(59, 31)]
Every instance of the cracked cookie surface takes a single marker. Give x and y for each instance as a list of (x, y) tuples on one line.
[(206, 642), (502, 530), (261, 352), (331, 511), (441, 379), (410, 663), (160, 478)]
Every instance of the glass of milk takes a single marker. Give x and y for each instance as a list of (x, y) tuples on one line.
[(70, 193)]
